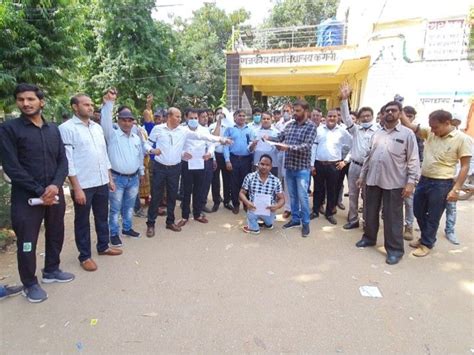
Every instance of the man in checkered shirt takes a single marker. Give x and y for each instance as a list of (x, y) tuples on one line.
[(296, 141), (261, 185)]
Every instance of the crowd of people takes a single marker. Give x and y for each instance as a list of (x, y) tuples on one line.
[(117, 169)]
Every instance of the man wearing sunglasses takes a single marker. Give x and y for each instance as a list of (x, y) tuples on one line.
[(389, 172)]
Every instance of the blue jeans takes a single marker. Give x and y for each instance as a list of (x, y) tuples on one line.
[(429, 203), (409, 216), (252, 220), (122, 201), (298, 182), (450, 217)]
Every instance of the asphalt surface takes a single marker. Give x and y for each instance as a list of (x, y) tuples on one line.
[(214, 289)]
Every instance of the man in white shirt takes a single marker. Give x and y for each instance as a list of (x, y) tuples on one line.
[(126, 158), (256, 119), (203, 120), (90, 179), (330, 139), (193, 173), (224, 120), (280, 125), (361, 136), (170, 138)]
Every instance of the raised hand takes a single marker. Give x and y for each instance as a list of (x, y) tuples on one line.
[(345, 90)]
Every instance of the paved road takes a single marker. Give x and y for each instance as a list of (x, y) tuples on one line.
[(214, 289)]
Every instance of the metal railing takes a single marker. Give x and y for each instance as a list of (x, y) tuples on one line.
[(328, 33)]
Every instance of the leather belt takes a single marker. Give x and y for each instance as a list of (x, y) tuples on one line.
[(328, 162), (124, 175)]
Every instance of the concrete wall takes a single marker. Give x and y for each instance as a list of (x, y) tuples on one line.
[(393, 33)]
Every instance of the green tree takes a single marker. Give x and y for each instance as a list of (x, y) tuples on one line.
[(133, 52), (301, 12), (40, 42), (200, 74)]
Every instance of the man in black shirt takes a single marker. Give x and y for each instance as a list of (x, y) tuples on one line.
[(33, 157)]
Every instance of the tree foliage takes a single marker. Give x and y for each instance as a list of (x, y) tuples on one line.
[(133, 52), (200, 54), (301, 12), (39, 43)]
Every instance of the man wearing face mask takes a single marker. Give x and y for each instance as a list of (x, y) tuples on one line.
[(170, 138), (193, 172), (361, 135), (285, 118), (256, 119)]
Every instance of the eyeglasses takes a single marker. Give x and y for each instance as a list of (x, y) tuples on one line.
[(390, 110)]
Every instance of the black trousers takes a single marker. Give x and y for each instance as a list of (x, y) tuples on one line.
[(241, 166), (168, 176), (216, 181), (193, 184), (325, 187), (26, 222), (344, 172), (392, 218), (208, 175), (97, 199)]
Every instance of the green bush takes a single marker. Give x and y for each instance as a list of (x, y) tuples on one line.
[(5, 221)]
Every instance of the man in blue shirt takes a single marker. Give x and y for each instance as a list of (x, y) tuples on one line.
[(237, 156), (126, 157)]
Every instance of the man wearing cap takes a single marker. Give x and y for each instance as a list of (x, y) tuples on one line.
[(126, 158)]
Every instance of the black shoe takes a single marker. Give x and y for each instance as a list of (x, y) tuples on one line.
[(351, 225), (341, 206), (229, 206), (393, 259), (236, 210), (115, 241), (313, 215), (305, 230), (364, 243), (131, 233), (331, 219), (207, 210), (215, 207), (291, 224)]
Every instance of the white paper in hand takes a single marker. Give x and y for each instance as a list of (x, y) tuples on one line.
[(39, 201), (196, 164), (262, 201)]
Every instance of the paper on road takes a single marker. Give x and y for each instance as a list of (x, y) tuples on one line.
[(370, 291)]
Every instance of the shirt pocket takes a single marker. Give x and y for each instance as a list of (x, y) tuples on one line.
[(397, 147)]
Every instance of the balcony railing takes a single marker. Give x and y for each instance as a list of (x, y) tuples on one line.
[(328, 33)]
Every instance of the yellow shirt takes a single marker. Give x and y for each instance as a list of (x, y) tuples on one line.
[(441, 154)]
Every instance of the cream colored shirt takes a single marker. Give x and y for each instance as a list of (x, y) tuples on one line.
[(393, 159), (441, 154)]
